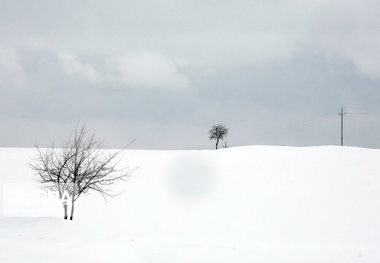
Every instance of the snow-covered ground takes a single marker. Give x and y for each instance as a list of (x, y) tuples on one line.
[(245, 204)]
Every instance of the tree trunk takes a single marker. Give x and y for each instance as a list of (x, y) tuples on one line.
[(217, 142), (72, 208), (64, 202), (65, 209)]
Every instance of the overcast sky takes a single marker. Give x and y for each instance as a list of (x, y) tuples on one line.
[(163, 72)]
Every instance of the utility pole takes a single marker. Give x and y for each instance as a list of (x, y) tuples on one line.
[(341, 113)]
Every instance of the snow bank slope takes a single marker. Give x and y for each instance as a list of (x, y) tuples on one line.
[(263, 203)]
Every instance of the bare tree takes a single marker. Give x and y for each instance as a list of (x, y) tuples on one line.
[(51, 168), (79, 167), (218, 132), (226, 145)]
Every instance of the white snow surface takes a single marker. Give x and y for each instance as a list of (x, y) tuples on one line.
[(245, 204)]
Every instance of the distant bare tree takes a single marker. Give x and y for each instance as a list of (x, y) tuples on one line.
[(218, 132), (79, 167)]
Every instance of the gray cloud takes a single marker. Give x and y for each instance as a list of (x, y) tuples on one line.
[(12, 75), (276, 72), (74, 67)]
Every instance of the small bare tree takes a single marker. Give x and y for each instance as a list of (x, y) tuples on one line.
[(79, 167), (51, 168), (218, 132)]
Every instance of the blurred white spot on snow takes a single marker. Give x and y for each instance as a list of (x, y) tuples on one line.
[(191, 178)]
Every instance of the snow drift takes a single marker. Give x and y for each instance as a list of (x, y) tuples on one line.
[(243, 204)]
